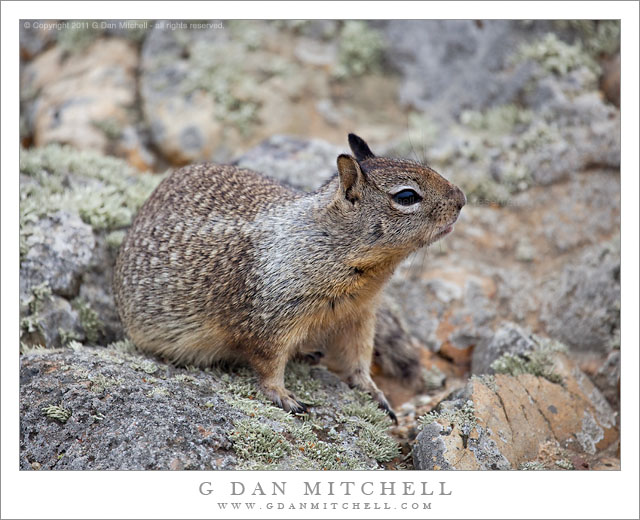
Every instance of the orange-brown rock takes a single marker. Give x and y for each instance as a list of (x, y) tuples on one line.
[(500, 422), (77, 94)]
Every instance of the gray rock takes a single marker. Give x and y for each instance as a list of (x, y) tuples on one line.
[(54, 323), (34, 40), (303, 163), (581, 307), (108, 408), (450, 65), (182, 119), (607, 378), (428, 451), (508, 339), (60, 250)]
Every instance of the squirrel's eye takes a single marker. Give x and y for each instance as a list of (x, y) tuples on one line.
[(407, 197)]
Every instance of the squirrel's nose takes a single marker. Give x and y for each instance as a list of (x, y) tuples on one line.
[(455, 194)]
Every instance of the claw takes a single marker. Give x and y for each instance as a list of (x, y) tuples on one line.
[(385, 406)]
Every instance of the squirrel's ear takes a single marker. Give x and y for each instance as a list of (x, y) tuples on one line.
[(351, 177), (359, 148)]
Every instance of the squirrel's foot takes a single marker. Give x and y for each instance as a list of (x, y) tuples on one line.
[(367, 384), (312, 358), (286, 400)]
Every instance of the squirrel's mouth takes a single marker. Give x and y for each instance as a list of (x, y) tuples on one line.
[(443, 232), (446, 230)]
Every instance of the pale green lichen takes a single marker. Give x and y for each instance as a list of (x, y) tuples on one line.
[(184, 378), (539, 362), (105, 191), (533, 465), (57, 412), (77, 35), (377, 444), (158, 391), (487, 380), (146, 366), (110, 127), (39, 294), (464, 417), (90, 321), (69, 336), (360, 49), (421, 134), (258, 442), (433, 378), (501, 119), (369, 412), (565, 464), (557, 57), (31, 324), (26, 348), (125, 346), (304, 448), (115, 238), (100, 382), (214, 69), (598, 36)]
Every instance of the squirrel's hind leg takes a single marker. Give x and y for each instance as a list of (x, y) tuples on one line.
[(349, 354), (271, 377)]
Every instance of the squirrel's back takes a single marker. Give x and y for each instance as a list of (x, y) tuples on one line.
[(191, 248)]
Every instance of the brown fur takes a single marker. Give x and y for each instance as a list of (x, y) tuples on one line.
[(223, 263)]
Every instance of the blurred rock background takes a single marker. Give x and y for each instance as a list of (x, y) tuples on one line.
[(524, 296)]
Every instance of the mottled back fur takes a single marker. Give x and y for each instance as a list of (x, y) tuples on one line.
[(223, 263)]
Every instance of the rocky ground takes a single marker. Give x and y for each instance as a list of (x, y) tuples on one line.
[(516, 314)]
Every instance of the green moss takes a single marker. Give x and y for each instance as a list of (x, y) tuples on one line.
[(91, 323), (57, 412), (539, 362), (360, 49)]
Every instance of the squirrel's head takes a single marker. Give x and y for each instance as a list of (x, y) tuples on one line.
[(400, 205)]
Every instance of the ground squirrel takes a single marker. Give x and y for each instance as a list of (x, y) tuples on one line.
[(222, 263)]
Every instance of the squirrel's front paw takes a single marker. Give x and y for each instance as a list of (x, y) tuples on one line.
[(286, 400)]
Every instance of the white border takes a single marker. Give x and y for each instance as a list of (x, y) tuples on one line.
[(175, 495)]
